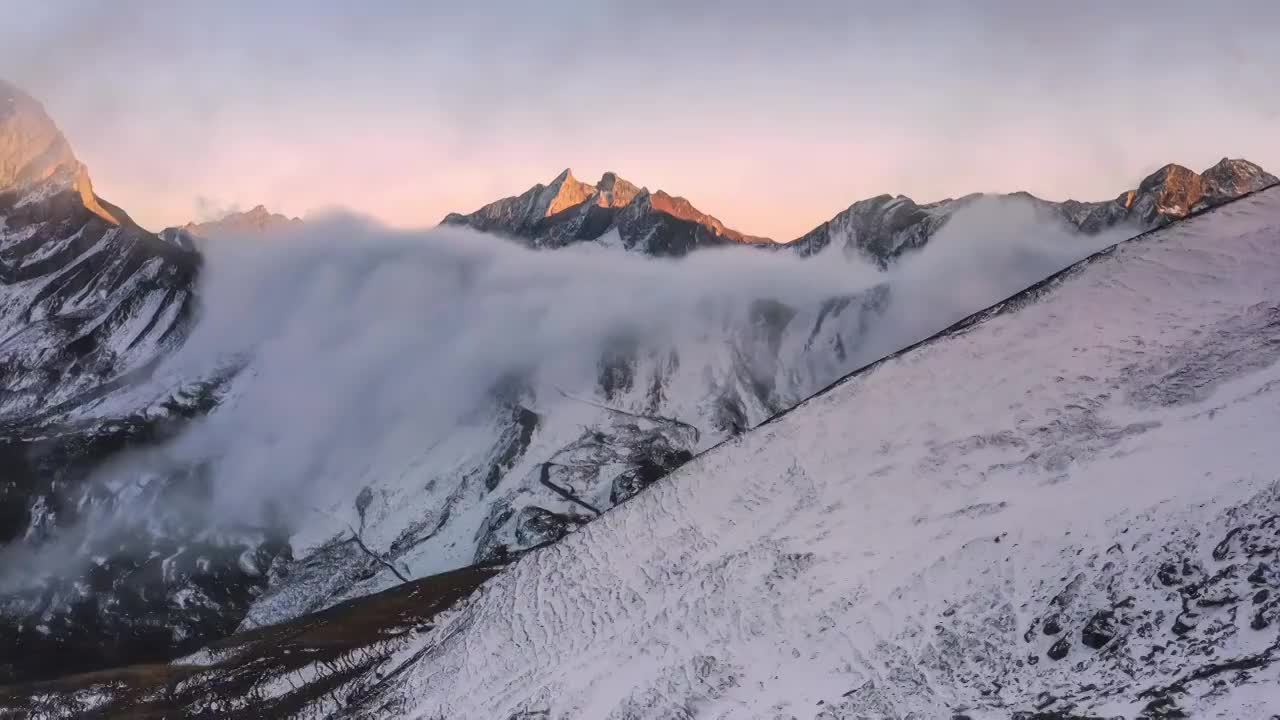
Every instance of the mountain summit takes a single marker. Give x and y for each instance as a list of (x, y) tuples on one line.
[(32, 148), (35, 154), (258, 221), (612, 212)]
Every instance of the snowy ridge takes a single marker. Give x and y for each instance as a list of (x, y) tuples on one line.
[(1056, 535)]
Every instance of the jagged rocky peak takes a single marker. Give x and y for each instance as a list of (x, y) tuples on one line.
[(32, 148), (258, 221), (34, 152), (1233, 177), (567, 211), (1174, 188), (1174, 191), (563, 193), (566, 192)]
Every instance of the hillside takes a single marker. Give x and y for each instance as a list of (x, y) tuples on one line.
[(1087, 531)]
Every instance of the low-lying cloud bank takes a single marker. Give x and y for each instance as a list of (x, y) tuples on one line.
[(357, 341)]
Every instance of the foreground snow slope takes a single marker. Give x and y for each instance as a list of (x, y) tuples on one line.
[(1087, 473)]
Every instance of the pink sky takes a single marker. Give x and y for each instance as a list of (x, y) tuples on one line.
[(773, 121)]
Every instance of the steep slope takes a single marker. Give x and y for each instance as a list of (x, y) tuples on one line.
[(86, 296), (1086, 531), (89, 303), (612, 212)]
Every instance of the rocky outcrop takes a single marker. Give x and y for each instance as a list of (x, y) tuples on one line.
[(882, 228), (31, 147)]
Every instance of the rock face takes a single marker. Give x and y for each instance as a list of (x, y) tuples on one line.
[(89, 302), (88, 296), (31, 147), (612, 212)]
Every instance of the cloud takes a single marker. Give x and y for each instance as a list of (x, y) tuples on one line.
[(361, 345)]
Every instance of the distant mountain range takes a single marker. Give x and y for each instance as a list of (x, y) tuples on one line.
[(257, 221), (617, 213), (91, 304)]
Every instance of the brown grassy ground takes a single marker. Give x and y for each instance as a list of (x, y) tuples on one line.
[(345, 642)]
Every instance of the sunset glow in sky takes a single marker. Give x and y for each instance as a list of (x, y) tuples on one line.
[(771, 116)]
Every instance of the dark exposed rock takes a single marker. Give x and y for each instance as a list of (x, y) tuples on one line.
[(1052, 625), (1100, 629), (537, 526), (1261, 575), (1260, 620), (512, 444), (1059, 649)]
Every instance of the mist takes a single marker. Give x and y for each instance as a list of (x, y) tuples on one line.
[(355, 346), (360, 341)]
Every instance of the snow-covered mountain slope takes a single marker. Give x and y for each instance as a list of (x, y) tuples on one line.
[(86, 296), (540, 390), (1066, 504), (89, 303), (1063, 507)]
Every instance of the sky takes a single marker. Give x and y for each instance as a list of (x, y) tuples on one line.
[(771, 116)]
